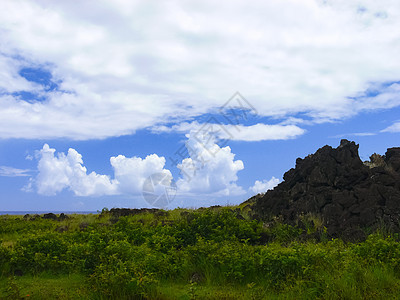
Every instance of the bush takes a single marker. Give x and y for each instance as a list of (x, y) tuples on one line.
[(194, 251), (117, 279), (5, 256)]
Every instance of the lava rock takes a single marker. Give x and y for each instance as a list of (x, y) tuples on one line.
[(334, 184), (50, 216)]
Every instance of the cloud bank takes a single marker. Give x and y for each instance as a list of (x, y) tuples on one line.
[(110, 77), (210, 170)]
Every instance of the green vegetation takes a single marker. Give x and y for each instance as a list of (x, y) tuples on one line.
[(214, 253)]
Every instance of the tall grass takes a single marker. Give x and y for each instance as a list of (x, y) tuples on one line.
[(216, 253)]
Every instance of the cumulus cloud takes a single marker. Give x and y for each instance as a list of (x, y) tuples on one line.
[(264, 186), (210, 169), (66, 171), (59, 172), (287, 57), (131, 173)]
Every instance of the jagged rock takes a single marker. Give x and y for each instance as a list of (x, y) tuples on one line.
[(392, 159), (376, 160), (336, 185)]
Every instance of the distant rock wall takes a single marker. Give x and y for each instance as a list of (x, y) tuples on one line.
[(336, 185)]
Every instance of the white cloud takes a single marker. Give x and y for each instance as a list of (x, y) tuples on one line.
[(10, 81), (350, 135), (393, 128), (13, 172), (210, 169), (60, 172), (265, 185), (388, 97), (259, 132), (131, 173), (127, 66), (252, 133)]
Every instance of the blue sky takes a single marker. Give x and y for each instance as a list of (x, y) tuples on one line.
[(96, 99)]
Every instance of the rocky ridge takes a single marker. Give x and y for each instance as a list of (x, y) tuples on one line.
[(349, 196)]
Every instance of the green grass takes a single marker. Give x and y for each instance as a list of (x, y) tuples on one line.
[(371, 283), (218, 253), (45, 286)]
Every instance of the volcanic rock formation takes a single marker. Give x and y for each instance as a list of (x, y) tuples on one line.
[(349, 196)]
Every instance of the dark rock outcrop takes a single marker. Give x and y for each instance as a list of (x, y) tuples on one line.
[(123, 212), (50, 216), (334, 184)]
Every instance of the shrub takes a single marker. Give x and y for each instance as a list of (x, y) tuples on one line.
[(117, 279), (5, 256)]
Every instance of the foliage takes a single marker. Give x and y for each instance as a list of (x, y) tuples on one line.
[(188, 254)]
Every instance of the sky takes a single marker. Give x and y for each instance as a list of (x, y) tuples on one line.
[(186, 103)]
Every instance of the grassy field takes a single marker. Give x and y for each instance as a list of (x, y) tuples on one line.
[(214, 253)]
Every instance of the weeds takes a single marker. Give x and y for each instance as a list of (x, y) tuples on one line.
[(190, 254)]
